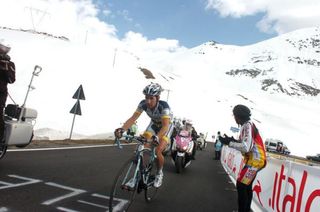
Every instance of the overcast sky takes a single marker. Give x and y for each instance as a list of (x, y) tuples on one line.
[(187, 23)]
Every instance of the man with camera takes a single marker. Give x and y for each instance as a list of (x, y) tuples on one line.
[(7, 75)]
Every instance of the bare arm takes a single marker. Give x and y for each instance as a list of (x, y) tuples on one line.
[(131, 120)]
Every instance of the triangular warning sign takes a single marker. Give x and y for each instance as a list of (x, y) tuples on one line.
[(76, 109), (79, 94)]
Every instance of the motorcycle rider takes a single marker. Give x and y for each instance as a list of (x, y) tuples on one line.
[(7, 75), (187, 123), (160, 127), (251, 146)]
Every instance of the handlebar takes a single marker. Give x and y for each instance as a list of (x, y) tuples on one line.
[(139, 139)]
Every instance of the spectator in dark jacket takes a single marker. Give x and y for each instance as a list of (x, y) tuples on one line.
[(7, 75)]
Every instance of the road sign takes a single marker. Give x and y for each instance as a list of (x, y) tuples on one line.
[(234, 129), (79, 94), (76, 109)]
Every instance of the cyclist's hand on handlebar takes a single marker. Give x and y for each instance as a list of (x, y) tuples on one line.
[(155, 140), (118, 132)]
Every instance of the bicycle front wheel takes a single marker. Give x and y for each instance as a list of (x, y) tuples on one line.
[(124, 187), (150, 170)]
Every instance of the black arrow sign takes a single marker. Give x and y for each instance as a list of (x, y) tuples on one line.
[(76, 109), (79, 94)]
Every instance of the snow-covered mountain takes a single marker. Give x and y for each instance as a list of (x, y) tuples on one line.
[(52, 134), (279, 79)]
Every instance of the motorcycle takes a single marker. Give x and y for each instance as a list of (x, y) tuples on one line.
[(181, 150), (19, 122)]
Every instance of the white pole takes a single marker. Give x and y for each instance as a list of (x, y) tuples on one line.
[(114, 57)]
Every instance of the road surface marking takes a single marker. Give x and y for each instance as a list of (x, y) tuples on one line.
[(74, 193), (11, 185)]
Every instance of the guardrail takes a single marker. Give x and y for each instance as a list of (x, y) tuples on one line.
[(287, 183)]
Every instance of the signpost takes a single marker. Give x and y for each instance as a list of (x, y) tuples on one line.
[(234, 129), (76, 109)]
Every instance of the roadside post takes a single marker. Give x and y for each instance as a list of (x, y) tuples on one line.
[(76, 109)]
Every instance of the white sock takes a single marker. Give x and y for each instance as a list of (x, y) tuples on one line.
[(160, 171)]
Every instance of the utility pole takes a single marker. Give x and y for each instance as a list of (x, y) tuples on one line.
[(168, 92), (44, 13), (85, 39), (114, 57)]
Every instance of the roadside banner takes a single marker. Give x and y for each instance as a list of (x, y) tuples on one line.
[(283, 185)]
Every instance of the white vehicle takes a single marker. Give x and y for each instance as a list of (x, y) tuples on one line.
[(276, 146), (19, 122), (271, 146)]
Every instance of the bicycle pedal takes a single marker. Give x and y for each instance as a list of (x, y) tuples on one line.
[(125, 187)]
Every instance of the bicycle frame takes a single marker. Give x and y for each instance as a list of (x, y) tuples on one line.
[(144, 171)]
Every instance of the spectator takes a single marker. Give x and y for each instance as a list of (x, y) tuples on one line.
[(217, 147), (251, 146)]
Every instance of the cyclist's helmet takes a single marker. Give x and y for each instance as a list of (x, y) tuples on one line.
[(153, 89), (188, 122), (242, 112)]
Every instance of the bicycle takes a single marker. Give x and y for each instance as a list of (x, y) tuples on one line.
[(135, 176)]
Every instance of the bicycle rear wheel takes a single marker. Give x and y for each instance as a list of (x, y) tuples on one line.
[(150, 170), (124, 187)]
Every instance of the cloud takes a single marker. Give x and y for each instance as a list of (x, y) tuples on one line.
[(77, 20), (280, 17), (125, 15)]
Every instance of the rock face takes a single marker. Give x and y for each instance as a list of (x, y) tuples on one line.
[(288, 64)]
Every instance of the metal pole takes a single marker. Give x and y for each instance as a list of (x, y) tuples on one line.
[(114, 57), (85, 40), (29, 87), (74, 116), (168, 95), (34, 73)]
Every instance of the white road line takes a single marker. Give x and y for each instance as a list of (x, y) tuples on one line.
[(100, 195), (93, 204), (11, 185), (117, 207), (66, 209), (74, 193), (72, 147)]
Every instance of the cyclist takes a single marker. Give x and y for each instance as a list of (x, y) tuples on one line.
[(160, 127)]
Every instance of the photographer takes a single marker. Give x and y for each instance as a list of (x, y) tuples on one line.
[(7, 75)]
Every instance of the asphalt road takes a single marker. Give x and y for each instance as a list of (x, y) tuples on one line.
[(80, 180)]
